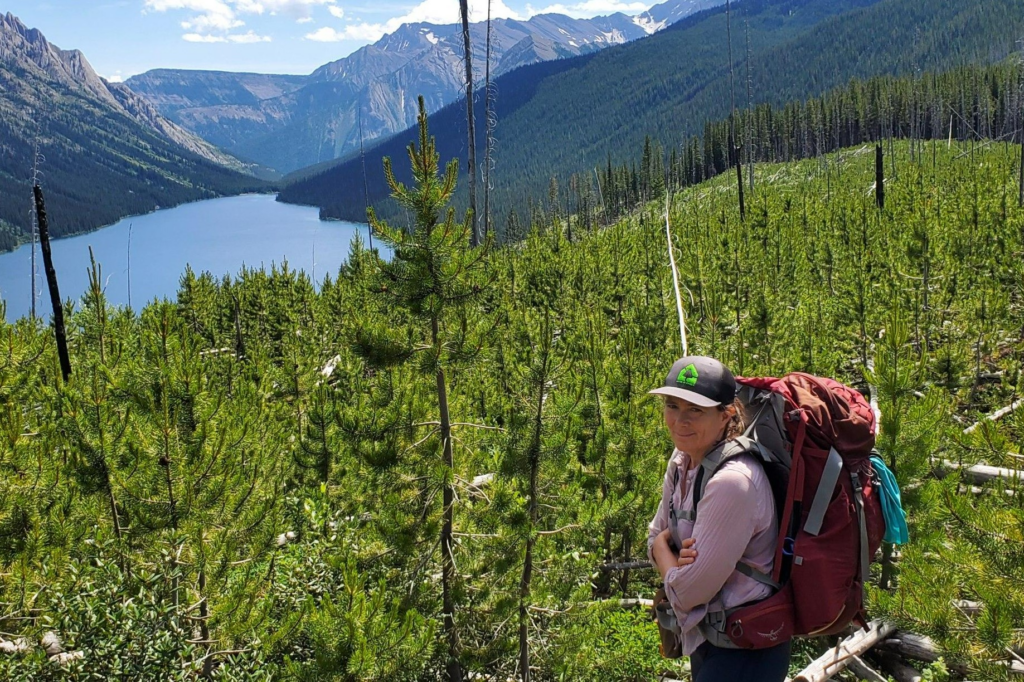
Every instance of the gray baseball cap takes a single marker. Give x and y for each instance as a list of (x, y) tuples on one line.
[(700, 380)]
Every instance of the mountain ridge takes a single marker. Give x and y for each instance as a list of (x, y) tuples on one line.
[(102, 151), (376, 87), (667, 86)]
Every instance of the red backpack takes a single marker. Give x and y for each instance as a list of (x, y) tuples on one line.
[(814, 438)]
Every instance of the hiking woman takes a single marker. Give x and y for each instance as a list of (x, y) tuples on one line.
[(737, 523)]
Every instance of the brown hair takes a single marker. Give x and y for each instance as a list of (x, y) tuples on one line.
[(736, 425)]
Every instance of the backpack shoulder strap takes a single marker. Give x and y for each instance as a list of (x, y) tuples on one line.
[(712, 463)]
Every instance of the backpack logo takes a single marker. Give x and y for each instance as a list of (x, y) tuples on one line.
[(688, 376), (773, 635)]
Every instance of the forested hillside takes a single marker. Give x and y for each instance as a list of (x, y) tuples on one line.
[(421, 465), (667, 86), (97, 149), (292, 122)]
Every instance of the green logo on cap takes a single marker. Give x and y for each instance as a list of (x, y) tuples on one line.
[(688, 376)]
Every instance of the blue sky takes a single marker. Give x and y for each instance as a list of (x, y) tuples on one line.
[(121, 38)]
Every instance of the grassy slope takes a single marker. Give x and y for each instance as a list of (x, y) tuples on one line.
[(813, 253)]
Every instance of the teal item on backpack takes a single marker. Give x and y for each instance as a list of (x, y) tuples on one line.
[(896, 532)]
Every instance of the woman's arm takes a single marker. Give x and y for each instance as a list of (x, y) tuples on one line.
[(665, 559), (660, 521), (726, 521)]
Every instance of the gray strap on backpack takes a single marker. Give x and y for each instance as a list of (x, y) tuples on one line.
[(858, 502), (666, 617), (754, 574), (713, 627), (822, 497)]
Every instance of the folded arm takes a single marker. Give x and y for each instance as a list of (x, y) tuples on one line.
[(726, 522)]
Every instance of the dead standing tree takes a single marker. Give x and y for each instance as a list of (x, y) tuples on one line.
[(489, 122), (474, 235), (51, 279), (734, 151)]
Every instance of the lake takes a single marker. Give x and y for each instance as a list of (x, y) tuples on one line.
[(218, 236)]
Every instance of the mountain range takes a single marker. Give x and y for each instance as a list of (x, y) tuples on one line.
[(100, 151), (290, 122), (572, 116)]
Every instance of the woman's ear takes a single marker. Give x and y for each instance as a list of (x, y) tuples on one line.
[(728, 413)]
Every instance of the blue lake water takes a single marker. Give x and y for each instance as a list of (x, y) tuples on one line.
[(218, 236)]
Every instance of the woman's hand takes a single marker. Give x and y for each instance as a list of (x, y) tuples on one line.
[(688, 554), (665, 559)]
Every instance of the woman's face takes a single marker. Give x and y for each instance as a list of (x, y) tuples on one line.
[(695, 429)]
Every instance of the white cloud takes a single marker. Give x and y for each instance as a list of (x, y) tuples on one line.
[(336, 11), (591, 8), (304, 20), (209, 14), (298, 9), (249, 37), (428, 11), (364, 32), (211, 20), (196, 38)]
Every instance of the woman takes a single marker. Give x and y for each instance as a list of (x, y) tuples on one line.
[(737, 522)]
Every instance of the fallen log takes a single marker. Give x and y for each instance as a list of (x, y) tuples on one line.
[(981, 473), (838, 658), (625, 566), (918, 648), (897, 669), (967, 607), (864, 671), (995, 416)]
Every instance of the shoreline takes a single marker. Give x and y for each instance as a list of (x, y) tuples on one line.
[(71, 235)]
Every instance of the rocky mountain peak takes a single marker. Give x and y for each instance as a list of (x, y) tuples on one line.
[(39, 65), (27, 48)]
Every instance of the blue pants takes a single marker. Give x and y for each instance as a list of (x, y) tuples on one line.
[(713, 664)]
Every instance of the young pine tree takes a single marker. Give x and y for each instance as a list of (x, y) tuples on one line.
[(432, 277)]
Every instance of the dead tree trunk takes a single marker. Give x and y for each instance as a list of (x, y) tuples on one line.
[(750, 113), (879, 176), (734, 151), (488, 127), (474, 236), (362, 160), (739, 184), (524, 583), (1020, 197), (51, 280), (454, 667)]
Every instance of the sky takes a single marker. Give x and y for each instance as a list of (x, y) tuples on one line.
[(121, 38)]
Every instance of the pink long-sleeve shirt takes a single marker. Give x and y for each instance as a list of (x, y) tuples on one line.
[(735, 522)]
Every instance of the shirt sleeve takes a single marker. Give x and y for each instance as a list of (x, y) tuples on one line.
[(660, 520), (727, 519)]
